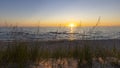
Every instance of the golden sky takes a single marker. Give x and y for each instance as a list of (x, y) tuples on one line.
[(59, 12)]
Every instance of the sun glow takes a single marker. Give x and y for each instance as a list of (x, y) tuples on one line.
[(72, 25)]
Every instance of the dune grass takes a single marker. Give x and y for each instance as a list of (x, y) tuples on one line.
[(22, 54)]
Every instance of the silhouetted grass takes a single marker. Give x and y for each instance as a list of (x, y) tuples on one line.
[(24, 54)]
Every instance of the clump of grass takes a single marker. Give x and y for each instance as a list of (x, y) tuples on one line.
[(83, 55), (15, 55), (34, 54)]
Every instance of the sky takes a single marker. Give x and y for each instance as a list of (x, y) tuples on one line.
[(56, 12)]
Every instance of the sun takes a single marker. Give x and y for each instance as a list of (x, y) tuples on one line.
[(72, 25)]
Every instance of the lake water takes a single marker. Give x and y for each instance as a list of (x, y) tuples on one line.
[(58, 33)]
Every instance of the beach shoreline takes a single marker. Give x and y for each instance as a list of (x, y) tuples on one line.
[(109, 44)]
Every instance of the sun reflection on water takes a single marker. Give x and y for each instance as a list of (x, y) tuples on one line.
[(72, 36)]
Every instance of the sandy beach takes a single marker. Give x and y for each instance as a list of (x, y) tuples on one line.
[(92, 43), (52, 44)]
